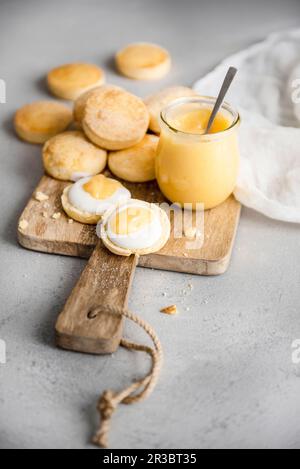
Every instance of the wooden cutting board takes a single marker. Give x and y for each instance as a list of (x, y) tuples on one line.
[(60, 237), (107, 278)]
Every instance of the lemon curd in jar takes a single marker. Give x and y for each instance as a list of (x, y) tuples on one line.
[(193, 168)]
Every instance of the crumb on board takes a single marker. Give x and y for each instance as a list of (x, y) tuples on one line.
[(23, 224), (45, 214), (46, 205), (56, 216), (169, 310), (70, 221), (41, 197)]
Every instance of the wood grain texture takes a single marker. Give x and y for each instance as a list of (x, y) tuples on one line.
[(59, 237), (105, 281)]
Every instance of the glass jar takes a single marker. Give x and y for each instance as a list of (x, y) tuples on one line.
[(192, 168)]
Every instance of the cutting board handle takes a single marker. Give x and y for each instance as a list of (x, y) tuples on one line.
[(105, 282)]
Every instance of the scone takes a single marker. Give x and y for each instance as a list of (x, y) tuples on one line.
[(115, 119), (136, 227), (143, 61), (89, 198), (79, 106), (71, 80), (70, 156), (80, 103), (39, 121), (158, 101), (135, 164)]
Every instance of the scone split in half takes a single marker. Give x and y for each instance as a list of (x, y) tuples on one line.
[(89, 198), (136, 227)]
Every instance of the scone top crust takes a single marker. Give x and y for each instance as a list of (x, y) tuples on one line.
[(115, 119), (80, 103), (143, 61), (71, 155), (143, 55), (42, 118), (75, 75)]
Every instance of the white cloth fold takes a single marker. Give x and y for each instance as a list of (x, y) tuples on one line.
[(266, 91)]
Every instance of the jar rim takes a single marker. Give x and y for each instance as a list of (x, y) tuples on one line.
[(200, 99)]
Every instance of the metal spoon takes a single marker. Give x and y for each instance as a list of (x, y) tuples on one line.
[(220, 99)]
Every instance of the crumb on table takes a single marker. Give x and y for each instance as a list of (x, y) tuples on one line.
[(56, 216), (169, 310)]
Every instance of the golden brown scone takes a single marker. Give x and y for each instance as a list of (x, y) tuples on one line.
[(39, 121), (115, 119), (158, 101), (135, 164), (161, 217), (71, 156), (143, 61), (71, 80), (79, 106), (80, 103)]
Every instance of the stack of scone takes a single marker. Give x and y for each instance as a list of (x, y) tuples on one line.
[(112, 127)]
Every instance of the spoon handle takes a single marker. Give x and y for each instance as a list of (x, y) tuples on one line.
[(226, 84)]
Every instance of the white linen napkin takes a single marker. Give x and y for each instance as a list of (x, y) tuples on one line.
[(266, 92)]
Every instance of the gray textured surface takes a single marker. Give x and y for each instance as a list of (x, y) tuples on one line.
[(228, 379)]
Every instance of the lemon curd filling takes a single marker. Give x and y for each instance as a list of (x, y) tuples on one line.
[(196, 121), (131, 220), (101, 187)]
